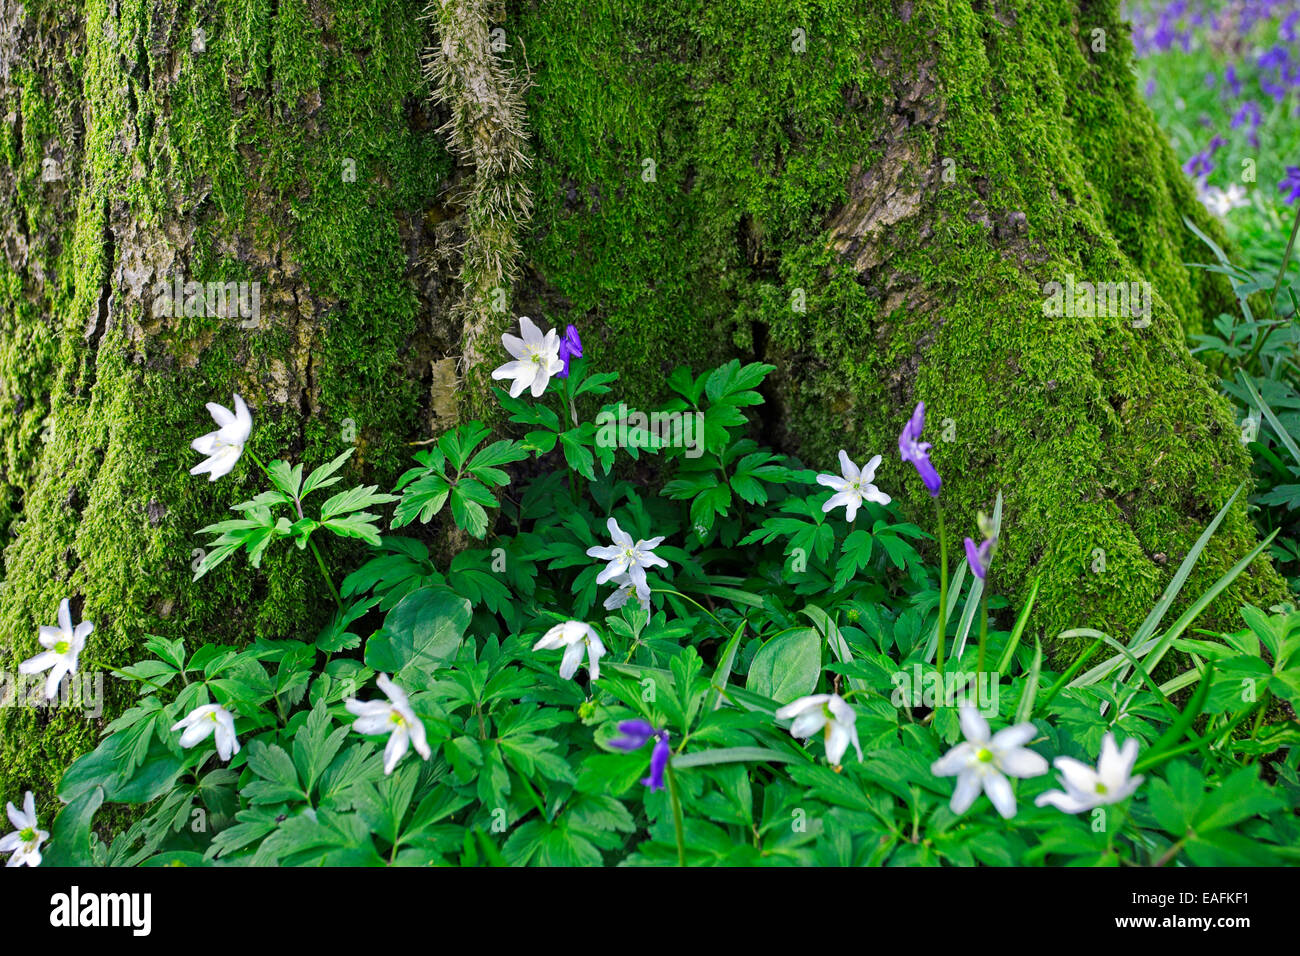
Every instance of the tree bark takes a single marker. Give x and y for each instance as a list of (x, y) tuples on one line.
[(871, 196)]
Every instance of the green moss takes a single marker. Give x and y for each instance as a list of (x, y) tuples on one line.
[(247, 146), (1104, 438)]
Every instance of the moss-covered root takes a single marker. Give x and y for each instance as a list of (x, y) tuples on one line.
[(487, 132)]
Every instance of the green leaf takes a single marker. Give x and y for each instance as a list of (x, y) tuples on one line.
[(423, 630), (287, 478), (279, 775), (1025, 707), (70, 838), (315, 746), (468, 513), (354, 499), (787, 666), (1014, 640), (576, 454), (723, 672), (423, 499), (725, 755), (324, 476), (360, 525)]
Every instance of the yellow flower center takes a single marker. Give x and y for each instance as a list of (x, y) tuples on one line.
[(1101, 787), (984, 755), (62, 647), (27, 835)]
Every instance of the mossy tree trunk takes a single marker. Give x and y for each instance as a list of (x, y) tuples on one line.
[(869, 196), (283, 143)]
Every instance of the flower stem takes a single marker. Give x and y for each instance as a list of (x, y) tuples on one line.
[(321, 564), (984, 627), (943, 588), (693, 601), (678, 825)]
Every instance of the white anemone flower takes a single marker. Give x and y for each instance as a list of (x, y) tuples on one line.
[(536, 358), (854, 488), (626, 588), (1086, 788), (63, 644), (25, 842), (983, 762), (1222, 201), (202, 722), (627, 557), (225, 445), (393, 717), (829, 713), (576, 638)]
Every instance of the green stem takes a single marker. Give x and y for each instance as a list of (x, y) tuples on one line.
[(1286, 258), (984, 627), (692, 600), (943, 588), (320, 562), (678, 825)]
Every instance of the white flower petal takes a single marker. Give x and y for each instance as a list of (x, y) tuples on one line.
[(847, 468), (1021, 762), (1011, 737), (968, 788), (999, 791), (973, 725), (1065, 802)]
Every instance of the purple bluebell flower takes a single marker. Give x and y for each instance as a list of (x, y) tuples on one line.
[(977, 556), (658, 762), (1202, 164), (1274, 58), (912, 449), (1288, 30), (1248, 112), (635, 734), (1230, 77), (1291, 182), (570, 348)]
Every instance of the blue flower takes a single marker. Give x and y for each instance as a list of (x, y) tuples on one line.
[(979, 556), (912, 449), (635, 735), (1291, 181), (570, 348), (1202, 164), (1230, 77), (658, 762)]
